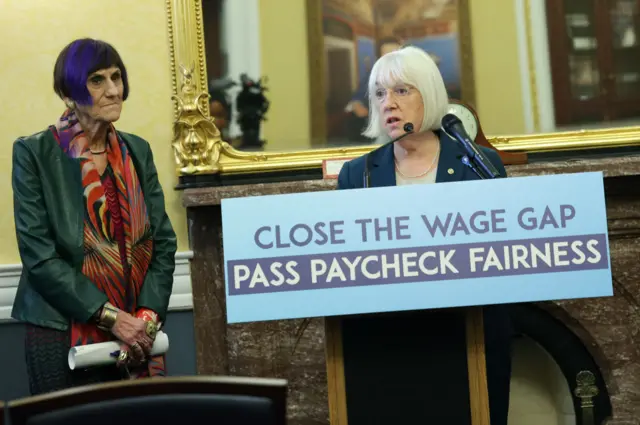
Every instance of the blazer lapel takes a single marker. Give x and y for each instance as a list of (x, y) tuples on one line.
[(71, 195), (383, 170), (450, 167), (74, 179)]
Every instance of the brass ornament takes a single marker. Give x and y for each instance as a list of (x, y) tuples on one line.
[(586, 388), (196, 139)]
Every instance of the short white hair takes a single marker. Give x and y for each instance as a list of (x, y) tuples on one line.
[(415, 67)]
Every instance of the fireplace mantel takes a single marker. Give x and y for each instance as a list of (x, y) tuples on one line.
[(294, 349)]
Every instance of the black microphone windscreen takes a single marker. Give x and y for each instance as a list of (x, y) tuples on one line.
[(408, 127), (449, 120)]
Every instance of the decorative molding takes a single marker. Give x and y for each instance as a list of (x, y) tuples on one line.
[(535, 66), (533, 82), (525, 61), (186, 46), (181, 298)]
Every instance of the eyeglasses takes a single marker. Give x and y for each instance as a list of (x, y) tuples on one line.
[(400, 90)]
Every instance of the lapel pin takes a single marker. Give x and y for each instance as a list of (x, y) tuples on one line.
[(450, 171)]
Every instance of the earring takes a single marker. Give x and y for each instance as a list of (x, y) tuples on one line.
[(70, 104)]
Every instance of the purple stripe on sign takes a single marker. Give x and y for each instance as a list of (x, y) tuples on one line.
[(420, 264)]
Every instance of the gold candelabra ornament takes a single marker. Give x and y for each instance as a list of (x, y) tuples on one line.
[(196, 140), (586, 390)]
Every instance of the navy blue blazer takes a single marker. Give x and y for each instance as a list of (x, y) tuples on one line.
[(383, 173), (497, 323)]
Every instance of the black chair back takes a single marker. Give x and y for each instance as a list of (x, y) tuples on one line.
[(159, 401)]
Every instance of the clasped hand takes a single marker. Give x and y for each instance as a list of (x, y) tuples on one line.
[(131, 331)]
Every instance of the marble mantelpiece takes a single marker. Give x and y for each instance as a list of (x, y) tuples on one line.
[(294, 349)]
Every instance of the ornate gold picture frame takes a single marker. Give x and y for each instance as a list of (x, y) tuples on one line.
[(199, 150)]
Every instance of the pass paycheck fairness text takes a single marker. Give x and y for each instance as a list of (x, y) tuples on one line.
[(434, 263)]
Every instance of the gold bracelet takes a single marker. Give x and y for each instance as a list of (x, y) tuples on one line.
[(108, 317)]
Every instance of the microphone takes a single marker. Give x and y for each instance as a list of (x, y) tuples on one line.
[(408, 129), (453, 126)]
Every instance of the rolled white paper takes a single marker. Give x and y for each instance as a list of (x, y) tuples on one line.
[(99, 354)]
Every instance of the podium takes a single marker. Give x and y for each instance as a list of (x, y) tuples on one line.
[(473, 351), (301, 257)]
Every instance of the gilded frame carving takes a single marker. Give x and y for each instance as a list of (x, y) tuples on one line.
[(198, 148)]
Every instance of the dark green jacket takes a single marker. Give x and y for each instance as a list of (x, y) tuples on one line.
[(49, 219)]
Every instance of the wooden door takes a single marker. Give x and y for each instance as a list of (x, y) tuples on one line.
[(576, 62)]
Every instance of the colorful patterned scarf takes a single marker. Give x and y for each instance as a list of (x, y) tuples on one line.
[(115, 263)]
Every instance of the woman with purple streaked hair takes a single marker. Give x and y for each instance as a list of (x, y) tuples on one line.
[(96, 245)]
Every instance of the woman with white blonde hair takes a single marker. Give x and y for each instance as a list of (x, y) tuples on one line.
[(425, 350)]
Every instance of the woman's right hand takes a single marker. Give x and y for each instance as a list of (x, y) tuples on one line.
[(132, 331), (131, 358)]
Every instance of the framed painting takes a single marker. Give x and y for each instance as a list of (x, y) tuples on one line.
[(346, 37)]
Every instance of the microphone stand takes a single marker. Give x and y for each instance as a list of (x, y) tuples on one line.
[(474, 325), (473, 158), (478, 166), (483, 175)]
